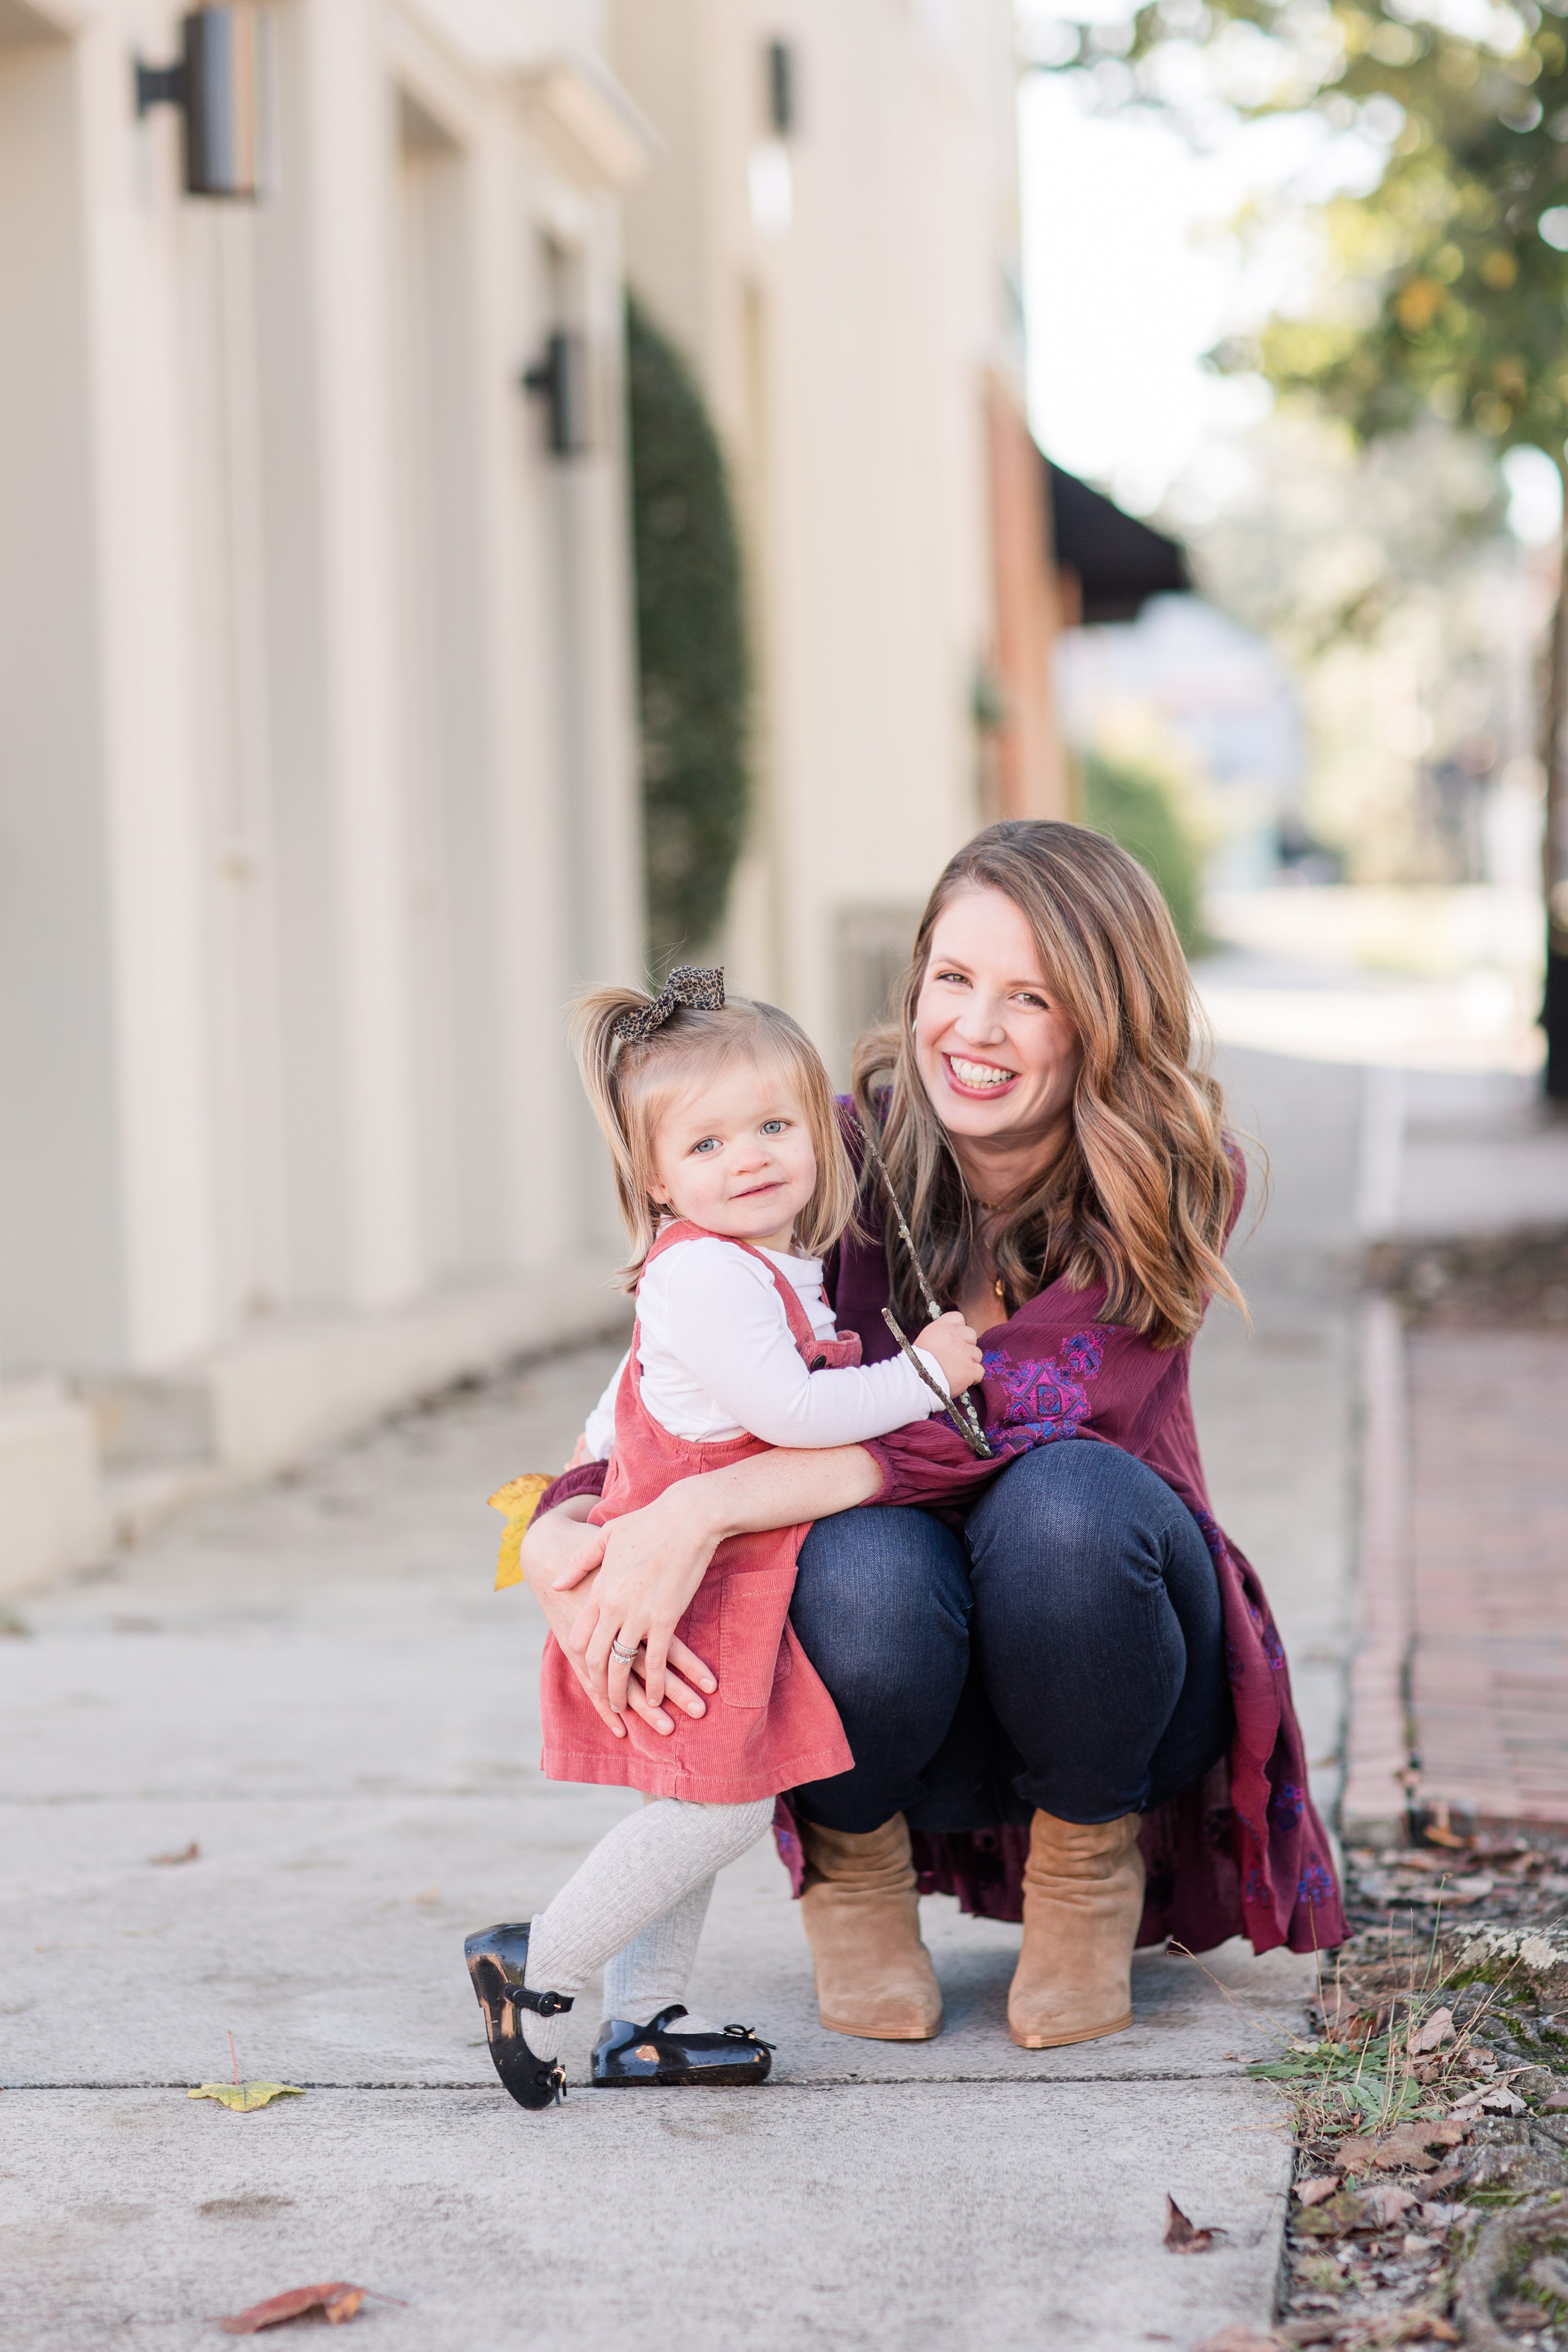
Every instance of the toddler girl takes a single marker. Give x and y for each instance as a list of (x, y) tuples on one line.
[(733, 1179)]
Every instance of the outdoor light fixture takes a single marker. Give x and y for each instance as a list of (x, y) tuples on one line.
[(222, 86), (561, 379), (770, 175), (781, 88)]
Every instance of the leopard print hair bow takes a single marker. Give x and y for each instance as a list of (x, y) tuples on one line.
[(688, 986)]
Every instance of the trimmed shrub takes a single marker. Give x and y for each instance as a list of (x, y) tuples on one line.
[(1137, 806), (692, 660)]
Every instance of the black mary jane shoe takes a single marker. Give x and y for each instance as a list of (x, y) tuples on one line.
[(659, 2052), (496, 1958)]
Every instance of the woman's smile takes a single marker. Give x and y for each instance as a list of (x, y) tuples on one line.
[(978, 1077)]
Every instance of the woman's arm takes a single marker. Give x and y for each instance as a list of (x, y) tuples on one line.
[(561, 1550), (652, 1562)]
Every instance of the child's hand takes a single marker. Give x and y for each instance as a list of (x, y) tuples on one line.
[(956, 1348)]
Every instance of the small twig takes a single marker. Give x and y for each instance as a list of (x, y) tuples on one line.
[(958, 1408), (953, 1407), (233, 2059)]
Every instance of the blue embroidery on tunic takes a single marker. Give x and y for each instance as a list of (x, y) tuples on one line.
[(1285, 1806), (1044, 1401)]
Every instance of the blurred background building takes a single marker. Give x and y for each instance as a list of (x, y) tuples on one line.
[(324, 557), (832, 242), (316, 694)]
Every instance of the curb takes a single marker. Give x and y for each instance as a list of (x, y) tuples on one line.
[(1380, 1766)]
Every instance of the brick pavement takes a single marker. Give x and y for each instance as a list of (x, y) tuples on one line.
[(1488, 1570)]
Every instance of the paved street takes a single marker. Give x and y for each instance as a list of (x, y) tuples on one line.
[(314, 1684)]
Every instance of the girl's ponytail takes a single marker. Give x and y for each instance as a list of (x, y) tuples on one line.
[(594, 1040)]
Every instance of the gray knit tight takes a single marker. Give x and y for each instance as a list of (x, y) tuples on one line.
[(637, 1901)]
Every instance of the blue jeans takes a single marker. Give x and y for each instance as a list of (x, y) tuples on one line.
[(1066, 1650)]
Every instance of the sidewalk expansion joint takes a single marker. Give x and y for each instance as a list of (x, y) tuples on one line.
[(812, 2083)]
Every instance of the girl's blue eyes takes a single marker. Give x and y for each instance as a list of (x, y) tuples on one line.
[(769, 1127)]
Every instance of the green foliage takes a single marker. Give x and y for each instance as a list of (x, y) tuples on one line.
[(694, 679), (1138, 806), (1452, 294)]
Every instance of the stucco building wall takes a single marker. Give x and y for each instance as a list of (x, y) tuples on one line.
[(316, 774)]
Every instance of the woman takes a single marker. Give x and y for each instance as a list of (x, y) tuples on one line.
[(1065, 1695)]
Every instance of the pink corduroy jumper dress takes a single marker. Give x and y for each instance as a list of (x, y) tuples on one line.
[(770, 1724)]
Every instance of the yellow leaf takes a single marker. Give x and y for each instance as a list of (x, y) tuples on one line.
[(519, 1499), (246, 2097)]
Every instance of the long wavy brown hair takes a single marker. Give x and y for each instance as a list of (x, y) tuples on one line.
[(1141, 1199)]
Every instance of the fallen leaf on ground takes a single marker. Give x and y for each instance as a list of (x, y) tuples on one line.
[(1405, 2145), (246, 2097), (1180, 2236), (1552, 2276), (1502, 2101), (1333, 2216), (1437, 2029), (1386, 2202), (1441, 2217), (337, 2301), (1312, 2192), (191, 1853), (1415, 2327), (1356, 2153), (1239, 2339), (1415, 2244)]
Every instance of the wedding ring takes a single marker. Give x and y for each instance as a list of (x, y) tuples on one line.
[(626, 1657)]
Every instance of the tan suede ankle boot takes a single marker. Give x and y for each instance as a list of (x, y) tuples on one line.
[(874, 1976), (1083, 1903)]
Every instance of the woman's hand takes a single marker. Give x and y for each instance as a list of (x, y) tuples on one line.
[(655, 1558), (652, 1562), (561, 1551), (956, 1348)]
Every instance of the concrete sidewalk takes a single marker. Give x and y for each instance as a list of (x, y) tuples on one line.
[(314, 1684)]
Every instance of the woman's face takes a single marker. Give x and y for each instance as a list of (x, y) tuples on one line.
[(998, 1056)]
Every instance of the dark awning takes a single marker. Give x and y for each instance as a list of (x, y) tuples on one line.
[(1120, 562)]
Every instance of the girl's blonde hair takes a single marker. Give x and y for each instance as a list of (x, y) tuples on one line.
[(1141, 1199), (634, 1082)]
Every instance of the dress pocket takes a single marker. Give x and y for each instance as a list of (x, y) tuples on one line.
[(753, 1610)]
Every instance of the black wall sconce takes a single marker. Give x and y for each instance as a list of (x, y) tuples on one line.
[(561, 380), (222, 86), (781, 95)]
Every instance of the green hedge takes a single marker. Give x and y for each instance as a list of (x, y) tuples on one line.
[(1137, 806), (693, 665)]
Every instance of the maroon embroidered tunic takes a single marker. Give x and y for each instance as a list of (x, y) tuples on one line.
[(1243, 1852)]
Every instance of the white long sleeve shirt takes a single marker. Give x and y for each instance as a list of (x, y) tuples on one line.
[(718, 1360)]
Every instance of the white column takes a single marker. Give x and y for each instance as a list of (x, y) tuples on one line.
[(350, 171), (150, 786)]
